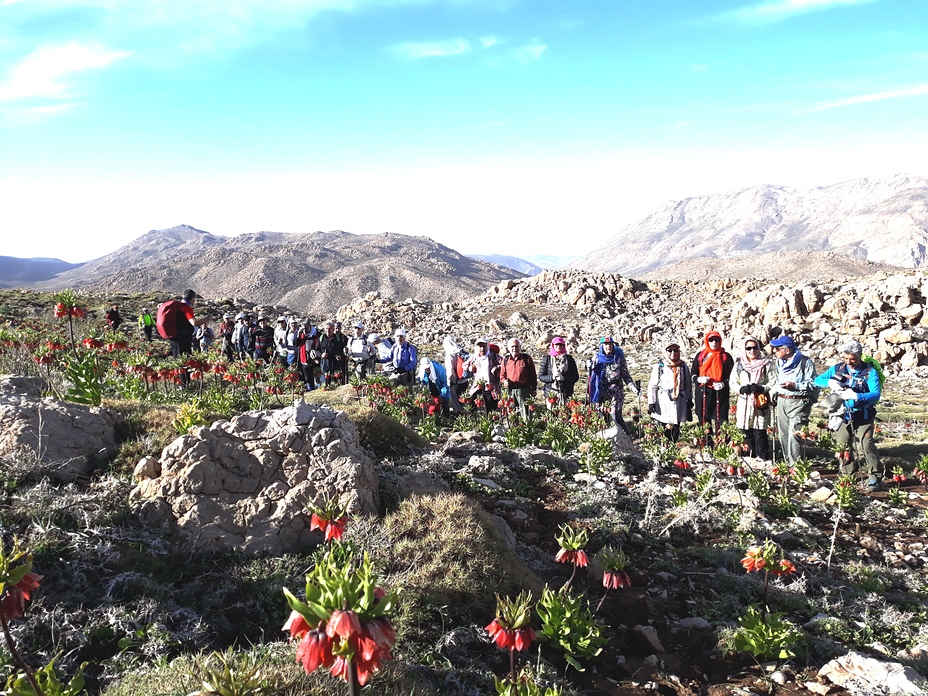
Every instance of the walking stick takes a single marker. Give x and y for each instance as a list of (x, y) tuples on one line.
[(640, 415)]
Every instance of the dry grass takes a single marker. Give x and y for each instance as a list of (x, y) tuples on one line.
[(448, 558)]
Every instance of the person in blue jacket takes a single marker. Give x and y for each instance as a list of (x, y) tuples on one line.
[(858, 385), (608, 376), (405, 358)]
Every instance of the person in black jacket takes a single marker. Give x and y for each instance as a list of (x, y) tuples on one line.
[(332, 353), (558, 372), (711, 370)]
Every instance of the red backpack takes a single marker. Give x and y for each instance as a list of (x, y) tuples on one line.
[(166, 318)]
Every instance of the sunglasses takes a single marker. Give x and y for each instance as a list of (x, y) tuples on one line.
[(715, 340), (750, 348), (673, 350)]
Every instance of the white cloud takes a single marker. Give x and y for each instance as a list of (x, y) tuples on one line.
[(432, 49), (40, 73), (697, 68), (778, 10), (917, 91), (530, 52), (489, 41)]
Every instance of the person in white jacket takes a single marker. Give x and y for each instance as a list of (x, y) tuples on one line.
[(670, 392)]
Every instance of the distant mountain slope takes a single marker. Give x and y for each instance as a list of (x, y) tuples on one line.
[(516, 264), (15, 271), (315, 272), (879, 220), (782, 266)]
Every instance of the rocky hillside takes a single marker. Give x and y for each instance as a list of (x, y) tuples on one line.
[(886, 312), (779, 265), (312, 273), (879, 220)]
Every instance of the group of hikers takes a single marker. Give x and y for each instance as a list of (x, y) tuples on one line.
[(775, 392)]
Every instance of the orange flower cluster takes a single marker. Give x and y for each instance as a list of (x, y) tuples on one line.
[(758, 558)]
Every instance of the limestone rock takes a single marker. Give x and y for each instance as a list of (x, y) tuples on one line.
[(860, 674), (243, 484), (68, 437)]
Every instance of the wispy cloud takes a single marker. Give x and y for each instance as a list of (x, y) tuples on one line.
[(489, 41), (41, 74), (413, 50), (778, 10), (529, 52), (917, 91)]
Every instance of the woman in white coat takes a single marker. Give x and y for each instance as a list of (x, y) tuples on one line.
[(753, 370), (670, 392)]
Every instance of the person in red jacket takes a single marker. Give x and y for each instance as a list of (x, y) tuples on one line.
[(518, 375), (711, 371)]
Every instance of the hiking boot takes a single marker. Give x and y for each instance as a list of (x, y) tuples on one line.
[(873, 484)]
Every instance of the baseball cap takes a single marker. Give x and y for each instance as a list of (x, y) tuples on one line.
[(783, 341)]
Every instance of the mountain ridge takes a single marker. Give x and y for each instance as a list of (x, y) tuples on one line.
[(880, 219)]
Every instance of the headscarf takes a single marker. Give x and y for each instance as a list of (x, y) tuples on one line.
[(711, 358), (754, 366), (674, 366), (602, 357), (553, 352), (450, 345)]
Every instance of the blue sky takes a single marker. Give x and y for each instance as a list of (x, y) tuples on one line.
[(493, 126)]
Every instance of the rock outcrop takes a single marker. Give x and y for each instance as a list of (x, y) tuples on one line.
[(68, 438), (244, 483), (886, 312)]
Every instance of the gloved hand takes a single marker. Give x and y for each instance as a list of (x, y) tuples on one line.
[(718, 386), (746, 389), (652, 408), (848, 395), (702, 380), (636, 389), (835, 385)]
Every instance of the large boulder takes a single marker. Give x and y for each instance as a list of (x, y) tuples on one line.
[(244, 483), (67, 439)]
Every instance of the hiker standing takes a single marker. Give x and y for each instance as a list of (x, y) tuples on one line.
[(458, 377), (608, 376), (360, 352), (182, 341), (793, 389), (518, 375), (857, 382), (262, 338), (558, 372), (146, 323), (484, 367), (670, 392), (712, 368), (113, 318), (752, 372), (405, 358), (226, 333), (332, 351)]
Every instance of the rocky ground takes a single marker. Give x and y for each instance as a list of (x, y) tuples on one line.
[(127, 596)]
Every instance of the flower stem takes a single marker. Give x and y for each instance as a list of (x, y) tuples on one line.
[(512, 665), (599, 606), (17, 657), (354, 687)]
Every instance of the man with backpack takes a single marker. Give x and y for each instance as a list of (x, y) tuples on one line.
[(176, 322), (792, 388), (859, 386)]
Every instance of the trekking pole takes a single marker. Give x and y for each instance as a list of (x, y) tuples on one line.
[(640, 415)]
